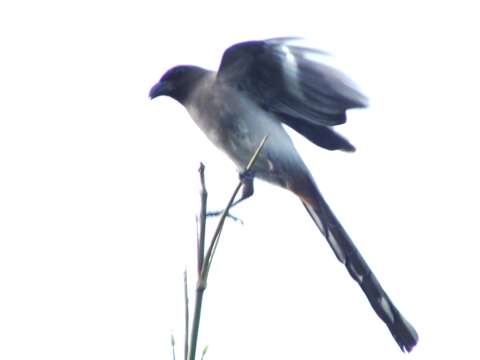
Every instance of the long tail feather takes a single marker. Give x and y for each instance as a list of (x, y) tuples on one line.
[(347, 253)]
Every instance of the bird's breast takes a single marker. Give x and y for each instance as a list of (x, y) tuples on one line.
[(237, 125)]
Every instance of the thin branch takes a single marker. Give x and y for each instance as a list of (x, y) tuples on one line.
[(206, 260), (203, 219), (218, 230), (172, 342), (187, 315), (204, 352), (196, 321)]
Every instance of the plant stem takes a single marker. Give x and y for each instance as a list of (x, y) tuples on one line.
[(187, 315), (205, 260), (196, 319), (203, 219)]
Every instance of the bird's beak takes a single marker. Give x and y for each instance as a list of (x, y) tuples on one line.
[(160, 88)]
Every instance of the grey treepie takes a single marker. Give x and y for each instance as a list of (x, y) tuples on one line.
[(259, 87)]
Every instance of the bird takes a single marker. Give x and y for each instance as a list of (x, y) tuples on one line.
[(260, 86)]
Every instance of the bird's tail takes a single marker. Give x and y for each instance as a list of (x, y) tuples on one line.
[(347, 253)]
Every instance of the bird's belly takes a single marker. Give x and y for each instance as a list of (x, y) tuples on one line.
[(239, 139), (238, 127)]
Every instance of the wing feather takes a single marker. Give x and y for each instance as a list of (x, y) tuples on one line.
[(286, 79)]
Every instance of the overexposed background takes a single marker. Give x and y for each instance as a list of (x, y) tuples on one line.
[(99, 185)]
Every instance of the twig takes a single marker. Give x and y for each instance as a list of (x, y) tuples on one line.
[(187, 315), (218, 230), (200, 262), (172, 342), (203, 217), (206, 260), (204, 352), (196, 321)]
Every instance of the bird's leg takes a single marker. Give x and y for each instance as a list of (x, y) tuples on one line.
[(246, 177), (247, 188)]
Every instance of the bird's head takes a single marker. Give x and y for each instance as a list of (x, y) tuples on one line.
[(178, 82)]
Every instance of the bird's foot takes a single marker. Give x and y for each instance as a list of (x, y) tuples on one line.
[(220, 212), (247, 176)]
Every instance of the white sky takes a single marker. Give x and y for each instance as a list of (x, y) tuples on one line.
[(99, 185)]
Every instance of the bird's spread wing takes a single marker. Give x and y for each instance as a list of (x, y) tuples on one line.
[(287, 80)]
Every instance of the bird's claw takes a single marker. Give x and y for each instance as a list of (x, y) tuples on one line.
[(220, 212)]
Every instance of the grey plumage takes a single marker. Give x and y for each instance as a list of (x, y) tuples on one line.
[(259, 86)]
